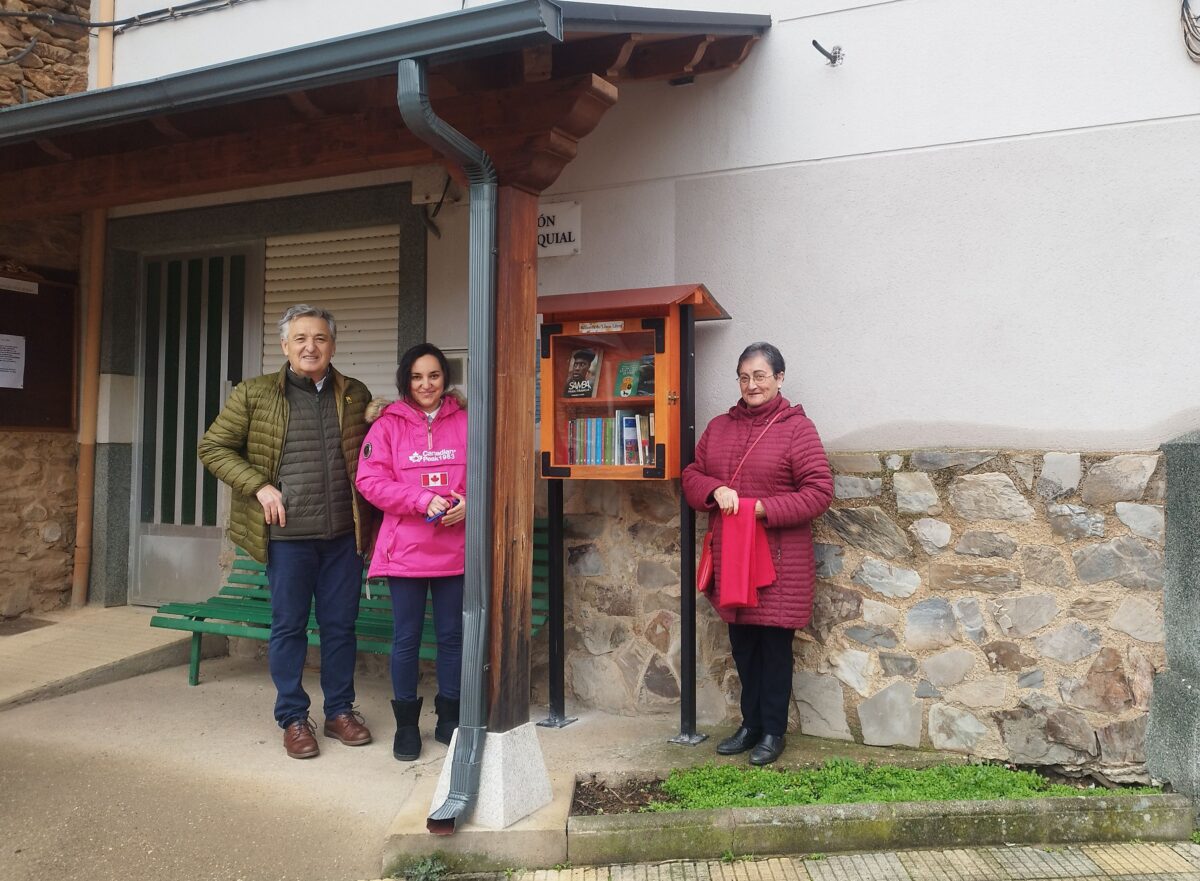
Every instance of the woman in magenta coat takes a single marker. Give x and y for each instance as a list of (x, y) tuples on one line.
[(413, 468), (787, 474)]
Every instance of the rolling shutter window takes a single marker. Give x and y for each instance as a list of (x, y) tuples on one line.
[(355, 274)]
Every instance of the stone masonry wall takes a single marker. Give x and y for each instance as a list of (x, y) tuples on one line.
[(1007, 605), (37, 469), (58, 63), (37, 521)]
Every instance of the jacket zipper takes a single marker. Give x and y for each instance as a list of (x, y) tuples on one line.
[(325, 471)]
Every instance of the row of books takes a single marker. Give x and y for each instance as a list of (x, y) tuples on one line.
[(625, 438)]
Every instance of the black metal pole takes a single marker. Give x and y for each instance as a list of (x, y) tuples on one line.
[(687, 534), (557, 616)]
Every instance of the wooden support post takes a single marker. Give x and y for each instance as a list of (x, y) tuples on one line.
[(513, 458)]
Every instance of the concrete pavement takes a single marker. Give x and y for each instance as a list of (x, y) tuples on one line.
[(148, 778)]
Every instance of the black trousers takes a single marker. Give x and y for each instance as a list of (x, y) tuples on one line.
[(763, 656)]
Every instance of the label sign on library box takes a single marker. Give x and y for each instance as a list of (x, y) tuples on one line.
[(560, 229)]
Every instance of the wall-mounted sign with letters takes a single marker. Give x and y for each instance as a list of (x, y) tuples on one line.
[(559, 232)]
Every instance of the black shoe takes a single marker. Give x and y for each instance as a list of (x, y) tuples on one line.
[(447, 714), (407, 745), (768, 749), (742, 740)]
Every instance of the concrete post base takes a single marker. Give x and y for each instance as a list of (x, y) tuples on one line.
[(1173, 733), (513, 781)]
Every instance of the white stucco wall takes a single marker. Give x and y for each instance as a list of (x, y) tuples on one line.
[(978, 231), (973, 233)]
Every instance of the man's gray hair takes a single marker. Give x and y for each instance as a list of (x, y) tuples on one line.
[(303, 310)]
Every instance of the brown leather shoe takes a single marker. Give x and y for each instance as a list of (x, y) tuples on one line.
[(300, 739), (348, 727)]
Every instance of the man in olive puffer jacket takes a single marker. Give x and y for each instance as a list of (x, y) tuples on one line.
[(287, 444)]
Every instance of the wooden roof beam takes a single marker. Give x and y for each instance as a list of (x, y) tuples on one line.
[(726, 53), (53, 150), (312, 149), (304, 106), (530, 131), (607, 56), (669, 58), (168, 129)]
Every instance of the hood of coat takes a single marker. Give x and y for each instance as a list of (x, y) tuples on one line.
[(410, 415), (741, 412)]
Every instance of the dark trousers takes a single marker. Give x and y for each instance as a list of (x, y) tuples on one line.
[(763, 656), (329, 570), (408, 620)]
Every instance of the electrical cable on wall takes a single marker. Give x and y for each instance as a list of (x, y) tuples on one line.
[(1191, 31), (143, 19)]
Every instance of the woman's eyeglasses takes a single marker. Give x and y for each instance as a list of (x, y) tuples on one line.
[(759, 378)]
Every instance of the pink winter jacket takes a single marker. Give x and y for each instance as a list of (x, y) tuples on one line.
[(405, 461), (789, 473)]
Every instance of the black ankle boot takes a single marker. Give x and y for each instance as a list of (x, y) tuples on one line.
[(407, 745), (447, 714)]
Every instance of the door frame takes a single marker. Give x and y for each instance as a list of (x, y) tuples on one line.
[(252, 343)]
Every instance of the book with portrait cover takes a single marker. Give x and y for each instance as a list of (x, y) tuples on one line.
[(583, 374)]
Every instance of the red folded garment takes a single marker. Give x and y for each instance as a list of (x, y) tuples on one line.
[(745, 557)]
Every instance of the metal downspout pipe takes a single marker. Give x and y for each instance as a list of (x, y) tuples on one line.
[(412, 97), (95, 228)]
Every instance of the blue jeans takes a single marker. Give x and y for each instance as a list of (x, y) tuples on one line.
[(329, 570), (408, 620)]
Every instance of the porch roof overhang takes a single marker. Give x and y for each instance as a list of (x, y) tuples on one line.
[(499, 72)]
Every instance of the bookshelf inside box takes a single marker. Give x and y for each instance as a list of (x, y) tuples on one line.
[(623, 330), (590, 430)]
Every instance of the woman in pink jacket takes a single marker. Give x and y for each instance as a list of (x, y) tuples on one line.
[(413, 467), (786, 473)]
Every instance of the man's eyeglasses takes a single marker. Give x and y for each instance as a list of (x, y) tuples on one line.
[(759, 378)]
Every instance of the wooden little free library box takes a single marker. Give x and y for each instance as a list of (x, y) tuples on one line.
[(616, 369)]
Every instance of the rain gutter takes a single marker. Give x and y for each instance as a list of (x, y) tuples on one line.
[(419, 117)]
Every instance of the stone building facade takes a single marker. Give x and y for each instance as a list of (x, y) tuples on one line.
[(57, 64), (1002, 604), (38, 469)]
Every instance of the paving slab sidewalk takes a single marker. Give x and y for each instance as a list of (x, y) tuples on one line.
[(1129, 862)]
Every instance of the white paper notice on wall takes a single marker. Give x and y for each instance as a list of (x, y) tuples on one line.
[(12, 361), (560, 229)]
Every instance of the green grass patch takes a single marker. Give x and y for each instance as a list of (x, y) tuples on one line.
[(841, 781)]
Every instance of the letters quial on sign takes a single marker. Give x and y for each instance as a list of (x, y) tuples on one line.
[(559, 229)]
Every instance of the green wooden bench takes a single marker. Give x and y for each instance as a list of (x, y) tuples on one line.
[(242, 608)]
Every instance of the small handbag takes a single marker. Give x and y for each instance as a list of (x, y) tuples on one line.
[(704, 569)]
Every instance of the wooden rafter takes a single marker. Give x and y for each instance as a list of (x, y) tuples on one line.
[(168, 129), (666, 59), (727, 53), (50, 148), (304, 105)]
